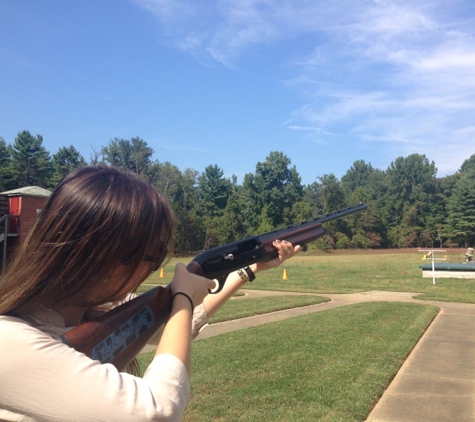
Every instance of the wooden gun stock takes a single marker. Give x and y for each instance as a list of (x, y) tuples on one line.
[(119, 335)]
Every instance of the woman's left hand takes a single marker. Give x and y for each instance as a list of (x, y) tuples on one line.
[(285, 251), (213, 302)]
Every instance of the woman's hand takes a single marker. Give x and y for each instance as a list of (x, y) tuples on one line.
[(176, 337), (194, 286), (285, 251)]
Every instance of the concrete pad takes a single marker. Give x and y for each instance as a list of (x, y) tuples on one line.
[(416, 408), (423, 384), (437, 381)]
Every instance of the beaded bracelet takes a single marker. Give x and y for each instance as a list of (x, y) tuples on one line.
[(246, 275)]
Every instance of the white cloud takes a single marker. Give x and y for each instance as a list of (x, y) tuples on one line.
[(398, 74), (422, 96), (222, 30)]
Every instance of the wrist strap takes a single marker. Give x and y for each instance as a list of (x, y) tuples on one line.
[(250, 274), (188, 297)]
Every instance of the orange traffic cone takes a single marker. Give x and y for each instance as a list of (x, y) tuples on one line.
[(284, 277), (162, 273)]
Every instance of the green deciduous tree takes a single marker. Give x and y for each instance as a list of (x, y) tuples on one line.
[(333, 198), (462, 210), (272, 191), (134, 154), (180, 190), (357, 176), (410, 180), (408, 206), (311, 195), (331, 193), (411, 188)]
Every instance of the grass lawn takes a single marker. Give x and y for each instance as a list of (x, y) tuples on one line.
[(357, 271), (242, 307), (327, 366)]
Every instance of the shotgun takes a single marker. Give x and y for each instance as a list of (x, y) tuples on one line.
[(119, 335)]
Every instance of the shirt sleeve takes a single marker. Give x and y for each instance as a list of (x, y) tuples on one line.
[(45, 380), (200, 320)]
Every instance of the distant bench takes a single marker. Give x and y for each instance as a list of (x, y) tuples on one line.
[(449, 270)]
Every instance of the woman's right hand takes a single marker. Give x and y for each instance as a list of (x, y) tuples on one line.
[(195, 286)]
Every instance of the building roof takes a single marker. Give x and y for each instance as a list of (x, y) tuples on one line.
[(28, 191)]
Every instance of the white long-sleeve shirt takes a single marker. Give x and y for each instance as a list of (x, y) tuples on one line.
[(42, 379)]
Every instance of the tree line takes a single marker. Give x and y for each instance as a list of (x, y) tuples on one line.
[(408, 205)]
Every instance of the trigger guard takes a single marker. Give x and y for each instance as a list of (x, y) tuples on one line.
[(219, 284)]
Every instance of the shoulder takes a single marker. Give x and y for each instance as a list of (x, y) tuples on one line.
[(10, 325), (20, 347), (47, 321), (16, 334)]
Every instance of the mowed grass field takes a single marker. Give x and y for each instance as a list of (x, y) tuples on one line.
[(355, 271), (327, 366)]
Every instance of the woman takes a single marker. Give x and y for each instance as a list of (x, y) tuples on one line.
[(100, 235)]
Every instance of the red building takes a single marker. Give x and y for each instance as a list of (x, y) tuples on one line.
[(18, 211)]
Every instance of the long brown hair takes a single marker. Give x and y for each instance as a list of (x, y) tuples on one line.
[(96, 219)]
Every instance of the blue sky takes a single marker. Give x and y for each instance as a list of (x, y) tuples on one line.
[(226, 82)]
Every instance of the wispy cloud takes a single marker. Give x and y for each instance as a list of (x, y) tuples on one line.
[(398, 74), (222, 30), (422, 96)]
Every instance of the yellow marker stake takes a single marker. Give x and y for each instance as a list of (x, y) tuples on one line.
[(284, 277), (162, 273)]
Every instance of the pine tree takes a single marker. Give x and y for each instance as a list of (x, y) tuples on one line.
[(31, 162), (66, 160)]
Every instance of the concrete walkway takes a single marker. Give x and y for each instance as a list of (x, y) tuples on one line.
[(435, 383)]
